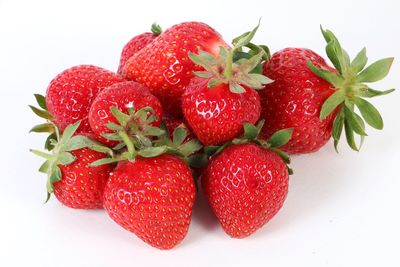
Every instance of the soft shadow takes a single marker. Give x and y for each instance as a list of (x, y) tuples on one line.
[(202, 213)]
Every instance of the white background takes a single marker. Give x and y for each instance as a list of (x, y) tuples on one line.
[(342, 209)]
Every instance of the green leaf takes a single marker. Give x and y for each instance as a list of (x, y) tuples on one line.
[(284, 156), (246, 38), (55, 175), (42, 154), (121, 117), (114, 127), (331, 77), (247, 65), (280, 137), (214, 82), (151, 152), (376, 71), (76, 142), (350, 135), (372, 93), (352, 120), (337, 129), (153, 131), (359, 61), (260, 78), (369, 112), (66, 158), (45, 167), (179, 135), (48, 144), (112, 136), (190, 147), (331, 103), (119, 146), (222, 54), (203, 74), (211, 150), (236, 39), (203, 59), (236, 88), (250, 131), (41, 100), (198, 160), (156, 29), (70, 131), (43, 128), (103, 161), (41, 113)]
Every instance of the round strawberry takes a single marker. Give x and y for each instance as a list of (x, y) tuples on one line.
[(122, 96), (318, 101), (73, 180), (153, 198), (216, 115), (137, 43), (246, 180), (223, 97), (164, 65), (71, 93)]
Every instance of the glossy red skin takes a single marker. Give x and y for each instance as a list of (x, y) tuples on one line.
[(70, 94), (164, 65), (294, 100), (245, 186), (133, 46), (81, 186), (152, 198), (217, 115), (122, 96)]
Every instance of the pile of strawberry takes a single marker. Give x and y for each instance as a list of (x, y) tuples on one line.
[(184, 105)]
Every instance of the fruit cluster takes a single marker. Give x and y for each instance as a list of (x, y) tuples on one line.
[(185, 104)]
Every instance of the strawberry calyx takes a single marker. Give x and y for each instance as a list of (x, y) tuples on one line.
[(137, 137), (47, 127), (228, 68), (156, 29), (351, 89), (60, 154), (250, 135)]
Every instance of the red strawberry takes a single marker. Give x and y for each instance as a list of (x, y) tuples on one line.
[(245, 186), (71, 93), (318, 101), (137, 43), (153, 198), (164, 65), (81, 186), (295, 98), (122, 96), (74, 182), (216, 115)]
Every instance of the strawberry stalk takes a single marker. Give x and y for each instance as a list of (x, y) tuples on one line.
[(351, 89)]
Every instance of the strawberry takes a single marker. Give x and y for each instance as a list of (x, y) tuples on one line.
[(164, 65), (150, 193), (122, 96), (316, 100), (153, 198), (137, 43), (171, 123), (222, 98), (71, 93), (247, 183), (74, 183)]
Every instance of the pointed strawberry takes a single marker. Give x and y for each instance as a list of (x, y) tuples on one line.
[(246, 181), (164, 66), (318, 101)]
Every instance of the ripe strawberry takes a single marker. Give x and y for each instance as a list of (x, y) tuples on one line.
[(152, 198), (71, 93), (222, 98), (316, 100), (122, 96), (246, 185), (74, 182), (164, 65), (137, 43), (294, 100)]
